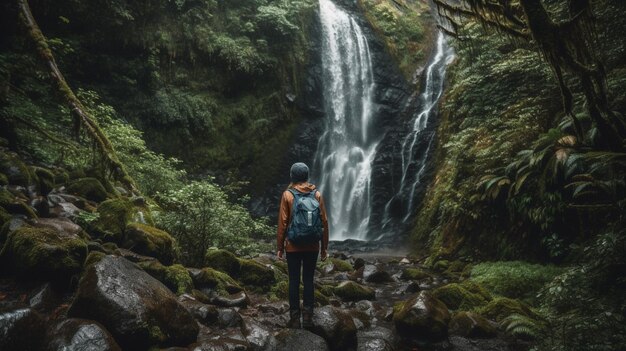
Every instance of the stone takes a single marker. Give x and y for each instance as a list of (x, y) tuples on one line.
[(353, 291), (45, 180), (297, 340), (239, 299), (254, 274), (21, 328), (471, 325), (374, 274), (229, 317), (208, 280), (136, 308), (422, 316), (44, 298), (203, 313), (222, 260), (43, 253), (89, 188), (114, 215), (456, 297), (415, 274), (175, 277), (376, 339), (358, 263), (81, 335), (16, 172), (59, 224), (341, 265), (336, 327), (150, 241), (257, 335)]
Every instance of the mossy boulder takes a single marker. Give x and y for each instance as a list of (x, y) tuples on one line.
[(43, 253), (45, 180), (16, 172), (422, 317), (353, 291), (223, 260), (113, 217), (61, 177), (210, 279), (150, 241), (501, 307), (341, 265), (441, 265), (256, 275), (15, 205), (175, 277), (457, 297), (3, 179), (88, 188), (476, 288), (414, 274), (4, 217), (471, 325)]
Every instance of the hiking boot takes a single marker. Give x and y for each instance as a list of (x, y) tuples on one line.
[(307, 318), (294, 319)]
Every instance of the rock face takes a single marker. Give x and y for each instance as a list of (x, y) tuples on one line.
[(81, 335), (43, 253), (422, 316), (136, 308), (297, 340), (21, 328), (336, 327)]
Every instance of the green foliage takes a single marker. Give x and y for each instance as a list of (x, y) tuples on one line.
[(200, 215), (514, 279), (521, 326)]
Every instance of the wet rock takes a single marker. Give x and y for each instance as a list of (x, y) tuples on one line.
[(336, 327), (44, 298), (422, 316), (471, 325), (297, 340), (407, 288), (239, 299), (229, 317), (59, 224), (203, 313), (136, 308), (43, 253), (221, 344), (415, 274), (358, 263), (175, 277), (115, 214), (150, 241), (257, 335), (278, 307), (127, 254), (89, 188), (256, 275), (376, 339), (352, 291), (222, 260), (405, 261), (464, 344), (64, 209), (21, 328), (209, 280), (374, 274), (81, 335)]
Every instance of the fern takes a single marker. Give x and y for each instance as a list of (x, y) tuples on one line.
[(523, 327)]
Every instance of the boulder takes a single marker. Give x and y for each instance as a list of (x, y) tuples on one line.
[(203, 313), (358, 263), (81, 335), (16, 172), (336, 327), (45, 180), (175, 277), (422, 316), (376, 339), (471, 325), (341, 265), (256, 275), (259, 337), (228, 318), (150, 241), (456, 297), (415, 274), (210, 280), (297, 340), (21, 328), (222, 260), (136, 308), (374, 274), (89, 188), (114, 215), (353, 291), (43, 253)]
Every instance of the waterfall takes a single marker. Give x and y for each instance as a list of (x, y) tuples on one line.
[(414, 163), (347, 148)]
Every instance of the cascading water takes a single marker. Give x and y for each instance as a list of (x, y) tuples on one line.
[(413, 164), (346, 149)]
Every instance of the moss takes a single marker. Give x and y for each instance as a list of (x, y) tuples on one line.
[(114, 216), (514, 279), (16, 171), (503, 307), (175, 277), (341, 265), (476, 288), (281, 265), (468, 324), (320, 298), (223, 260), (93, 258), (43, 253), (89, 188), (213, 279), (45, 179), (3, 179), (415, 274), (4, 218), (457, 297), (61, 177), (441, 265), (256, 275), (77, 174), (6, 197), (352, 291), (150, 241)]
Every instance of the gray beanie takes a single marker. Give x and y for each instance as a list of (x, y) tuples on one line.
[(299, 172)]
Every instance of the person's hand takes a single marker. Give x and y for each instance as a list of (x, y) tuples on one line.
[(324, 255), (279, 254)]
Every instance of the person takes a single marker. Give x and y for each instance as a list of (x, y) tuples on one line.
[(302, 256)]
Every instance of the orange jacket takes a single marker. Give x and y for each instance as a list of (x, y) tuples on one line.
[(284, 218)]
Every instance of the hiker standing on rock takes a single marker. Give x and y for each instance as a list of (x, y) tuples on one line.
[(302, 224)]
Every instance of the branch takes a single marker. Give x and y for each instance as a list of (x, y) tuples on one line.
[(76, 107)]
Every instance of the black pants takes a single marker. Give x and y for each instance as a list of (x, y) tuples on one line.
[(305, 261)]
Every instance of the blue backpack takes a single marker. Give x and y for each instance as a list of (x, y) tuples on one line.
[(306, 219)]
